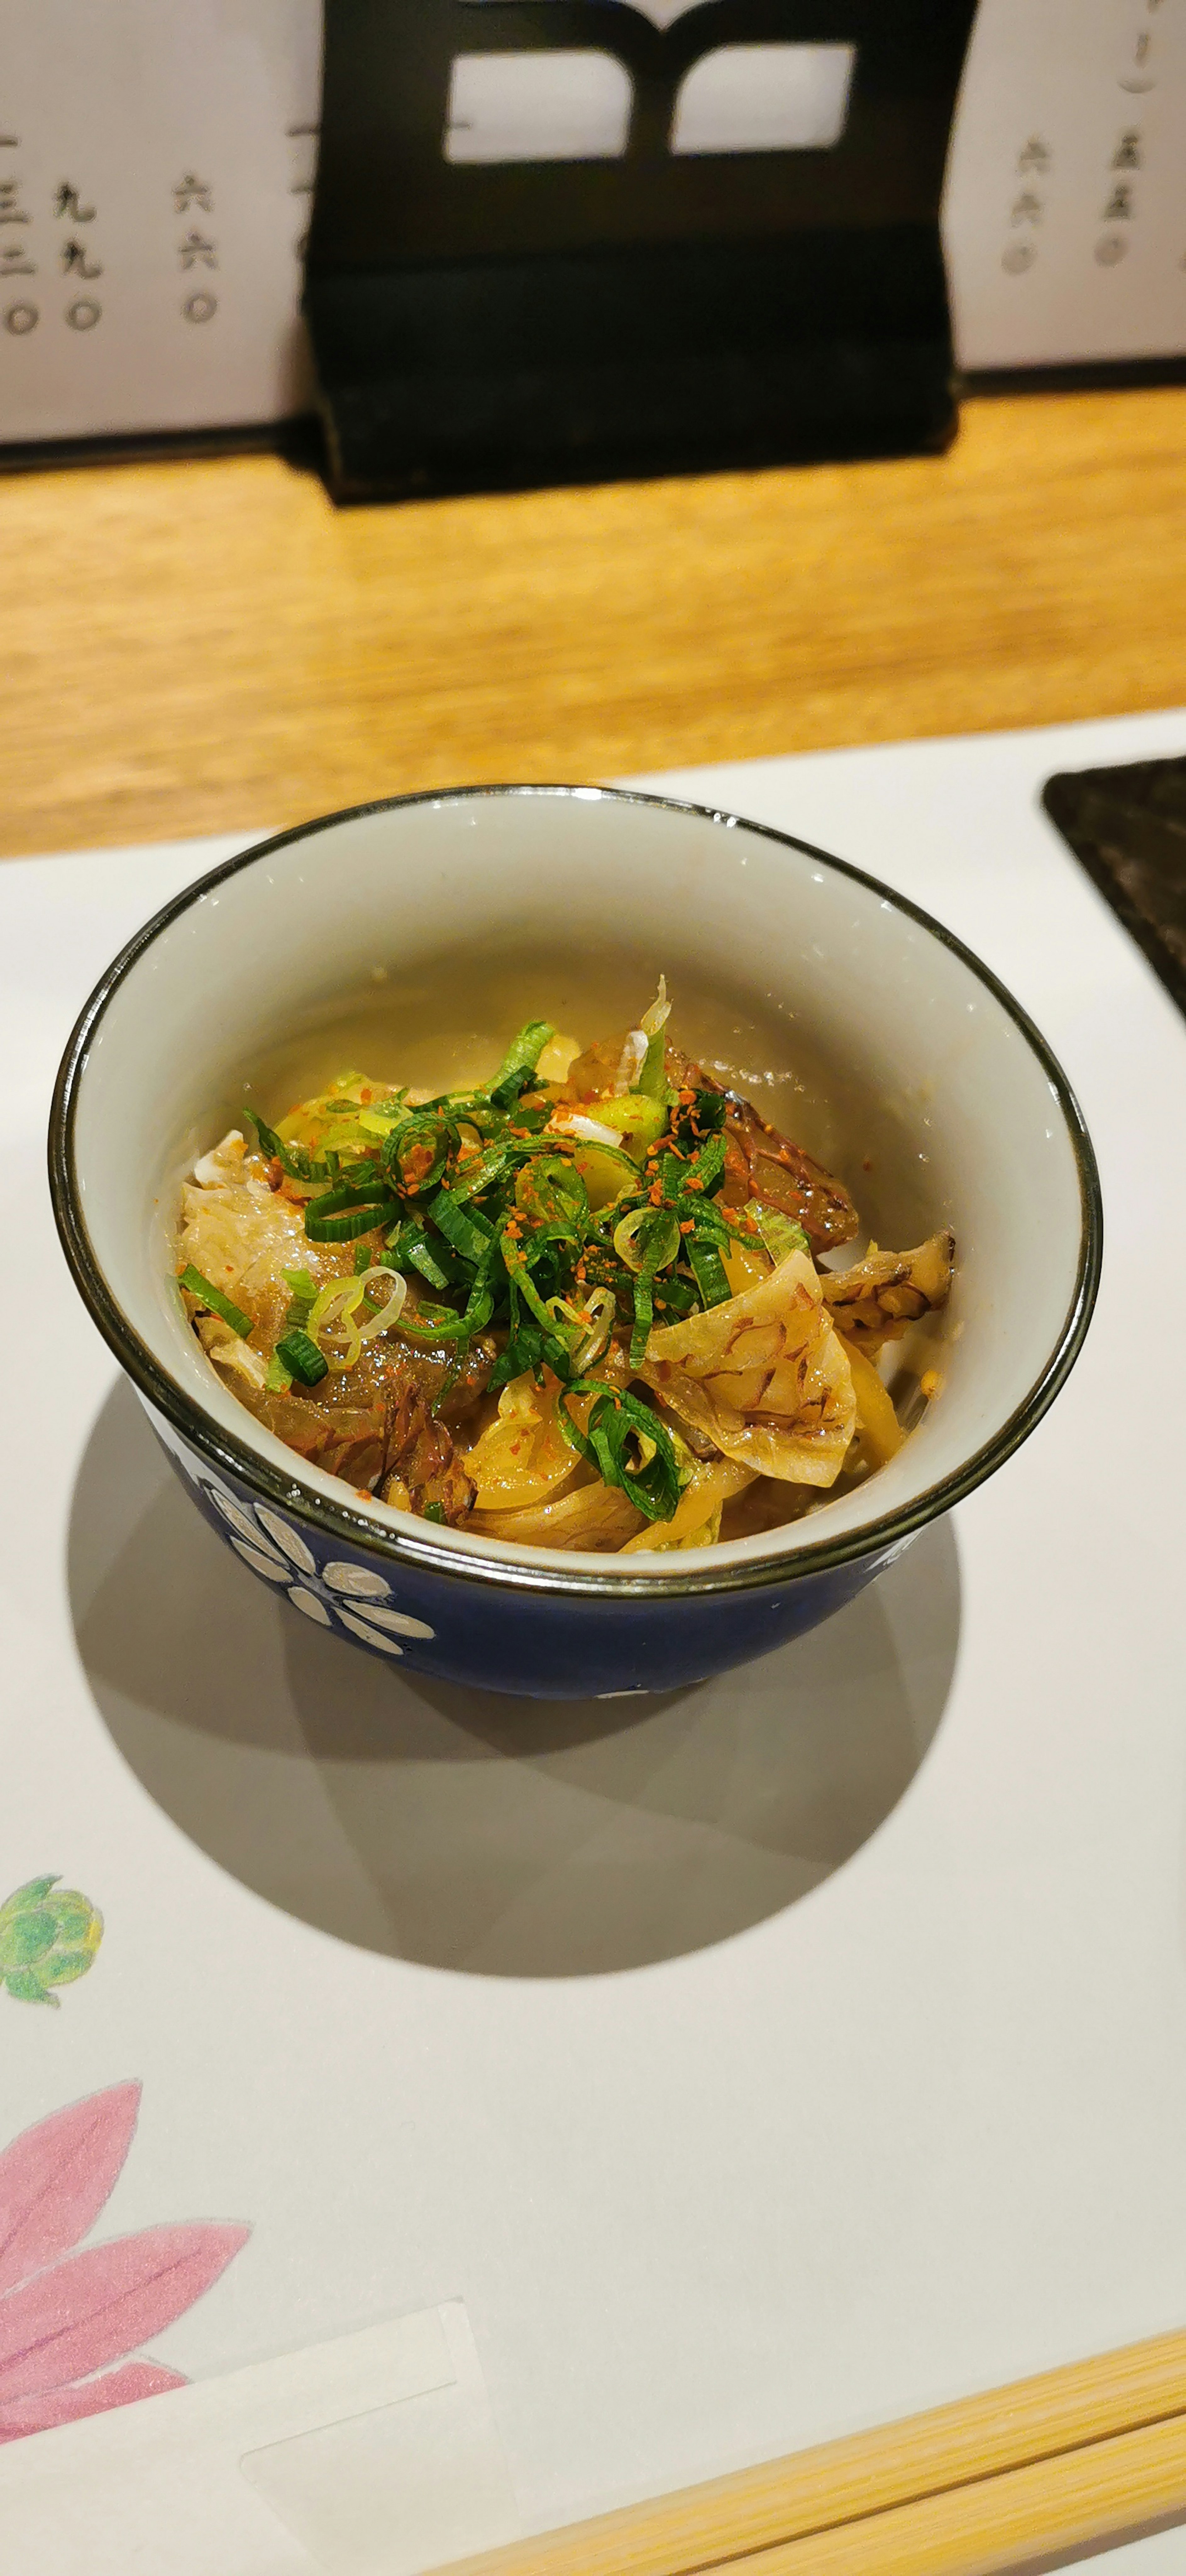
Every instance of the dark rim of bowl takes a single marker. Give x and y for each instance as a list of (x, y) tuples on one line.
[(428, 1553)]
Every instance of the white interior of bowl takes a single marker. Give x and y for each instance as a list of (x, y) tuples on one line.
[(413, 940)]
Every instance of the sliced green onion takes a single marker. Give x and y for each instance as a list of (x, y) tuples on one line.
[(564, 1314), (708, 1271), (673, 1175), (472, 1177), (713, 1224), (708, 1166), (419, 1151), (444, 1324), (638, 1120), (598, 1321), (346, 1226), (362, 1260), (779, 1233), (292, 1159), (468, 1233), (304, 1296), (335, 1311), (675, 1298), (528, 1348), (519, 1063), (651, 1478), (278, 1379), (552, 1196), (341, 1215), (409, 1243), (524, 1284), (302, 1358), (386, 1314), (648, 1239), (703, 1117), (207, 1295), (434, 1512), (644, 1316)]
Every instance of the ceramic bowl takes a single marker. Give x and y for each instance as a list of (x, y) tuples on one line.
[(409, 937)]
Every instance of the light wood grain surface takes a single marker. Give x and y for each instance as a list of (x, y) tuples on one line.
[(988, 2483), (209, 646)]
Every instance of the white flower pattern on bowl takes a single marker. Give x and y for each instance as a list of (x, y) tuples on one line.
[(349, 1595)]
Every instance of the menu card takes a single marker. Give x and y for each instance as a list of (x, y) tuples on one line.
[(157, 165)]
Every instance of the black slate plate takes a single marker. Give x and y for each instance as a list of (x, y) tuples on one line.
[(1128, 826)]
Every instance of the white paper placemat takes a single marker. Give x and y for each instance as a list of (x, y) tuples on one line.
[(807, 2050)]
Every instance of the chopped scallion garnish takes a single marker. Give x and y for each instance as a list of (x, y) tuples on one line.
[(208, 1295), (302, 1358), (519, 1063), (571, 1219), (708, 1271)]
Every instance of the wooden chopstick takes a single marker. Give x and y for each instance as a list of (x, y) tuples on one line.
[(1083, 2452), (1097, 2492)]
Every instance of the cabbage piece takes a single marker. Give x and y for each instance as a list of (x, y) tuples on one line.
[(879, 1431), (879, 1297), (522, 1457), (243, 1236), (230, 1353), (594, 1516), (696, 1520), (764, 1375)]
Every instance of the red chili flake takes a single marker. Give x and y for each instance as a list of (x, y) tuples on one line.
[(419, 1161), (513, 1227), (655, 1194), (366, 1095), (689, 1098), (692, 1183), (686, 1225)]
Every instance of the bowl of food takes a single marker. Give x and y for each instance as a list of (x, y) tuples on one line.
[(566, 1241)]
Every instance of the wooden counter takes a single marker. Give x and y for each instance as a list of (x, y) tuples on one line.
[(204, 646)]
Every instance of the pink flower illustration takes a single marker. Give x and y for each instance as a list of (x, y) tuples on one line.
[(65, 2316)]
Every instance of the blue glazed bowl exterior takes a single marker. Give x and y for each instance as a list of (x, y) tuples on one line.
[(498, 1638)]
